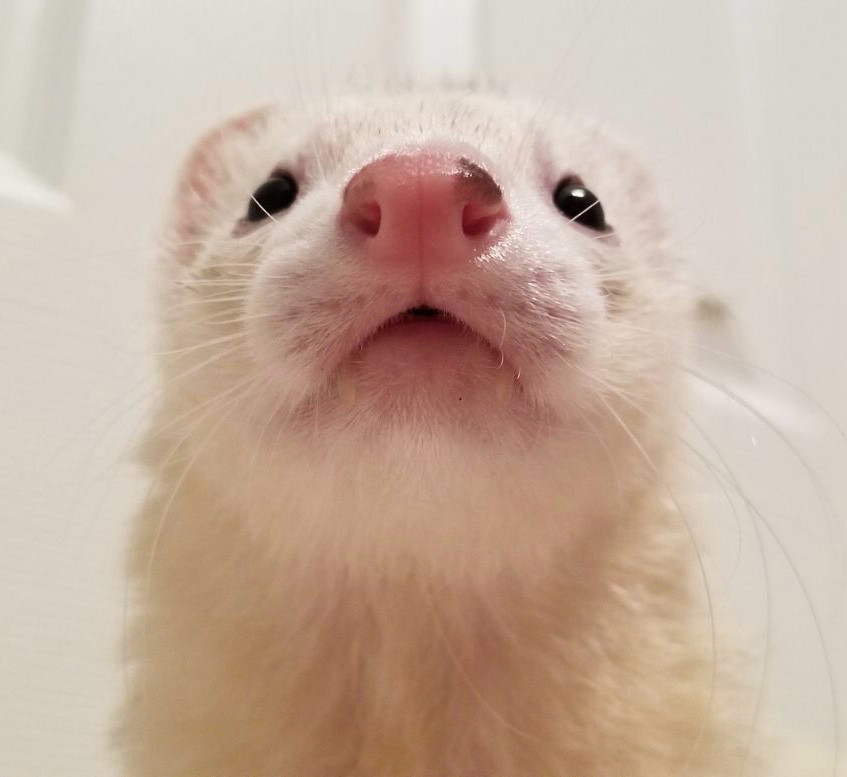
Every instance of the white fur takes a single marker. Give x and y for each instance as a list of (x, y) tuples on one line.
[(336, 578)]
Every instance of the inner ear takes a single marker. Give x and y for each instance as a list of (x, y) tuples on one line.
[(204, 174)]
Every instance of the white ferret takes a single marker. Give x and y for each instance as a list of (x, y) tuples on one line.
[(414, 509)]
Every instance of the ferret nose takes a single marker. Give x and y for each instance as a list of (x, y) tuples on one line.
[(427, 207)]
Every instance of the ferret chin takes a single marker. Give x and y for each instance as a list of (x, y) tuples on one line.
[(414, 510)]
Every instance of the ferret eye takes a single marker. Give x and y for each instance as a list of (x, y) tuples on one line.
[(274, 195), (580, 204)]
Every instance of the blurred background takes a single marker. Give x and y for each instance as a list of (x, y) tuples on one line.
[(740, 108)]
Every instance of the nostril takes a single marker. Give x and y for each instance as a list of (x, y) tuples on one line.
[(367, 216), (479, 218), (360, 204)]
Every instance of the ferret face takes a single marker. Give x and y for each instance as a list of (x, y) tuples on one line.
[(433, 266)]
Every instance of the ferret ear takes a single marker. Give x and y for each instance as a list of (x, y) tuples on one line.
[(206, 171)]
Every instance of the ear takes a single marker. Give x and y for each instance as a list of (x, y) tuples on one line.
[(208, 168)]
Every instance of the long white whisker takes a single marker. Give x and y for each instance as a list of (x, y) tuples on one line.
[(700, 563), (719, 475), (486, 705), (825, 500), (231, 405)]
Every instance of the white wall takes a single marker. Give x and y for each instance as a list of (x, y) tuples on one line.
[(741, 107)]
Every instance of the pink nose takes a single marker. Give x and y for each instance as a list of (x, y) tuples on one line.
[(428, 207)]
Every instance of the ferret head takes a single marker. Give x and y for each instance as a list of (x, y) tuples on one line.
[(441, 293)]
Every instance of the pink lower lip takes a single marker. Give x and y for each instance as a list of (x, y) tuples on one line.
[(423, 330), (434, 343)]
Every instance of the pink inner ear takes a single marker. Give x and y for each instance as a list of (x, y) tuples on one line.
[(203, 173)]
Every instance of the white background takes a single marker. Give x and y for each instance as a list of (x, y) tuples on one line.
[(740, 108)]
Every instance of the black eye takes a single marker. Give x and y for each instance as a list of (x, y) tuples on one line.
[(580, 204), (274, 195)]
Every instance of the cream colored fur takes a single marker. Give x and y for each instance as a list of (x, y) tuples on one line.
[(332, 583)]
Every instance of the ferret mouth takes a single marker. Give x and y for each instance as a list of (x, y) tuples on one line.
[(426, 317), (423, 311), (428, 353), (419, 313)]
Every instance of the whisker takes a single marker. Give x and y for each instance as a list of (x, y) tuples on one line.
[(241, 334), (160, 431), (826, 414), (469, 684), (809, 601), (689, 530), (719, 475), (157, 535), (823, 496), (141, 391)]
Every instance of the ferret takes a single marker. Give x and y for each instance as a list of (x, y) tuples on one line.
[(414, 507)]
